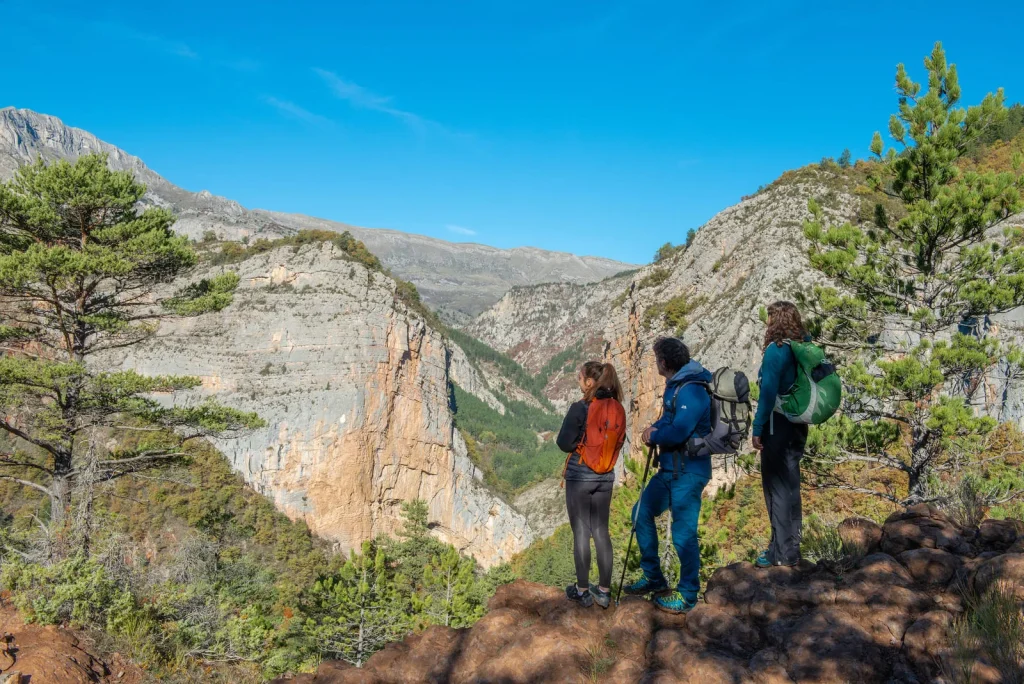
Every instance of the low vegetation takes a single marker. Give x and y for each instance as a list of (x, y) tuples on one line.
[(673, 312), (195, 575), (479, 352), (656, 277), (507, 447)]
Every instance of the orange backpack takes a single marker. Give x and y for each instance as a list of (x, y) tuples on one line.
[(606, 431)]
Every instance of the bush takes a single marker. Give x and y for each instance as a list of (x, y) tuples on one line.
[(654, 278), (76, 591), (821, 543)]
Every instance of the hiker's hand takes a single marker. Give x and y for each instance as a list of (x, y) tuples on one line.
[(647, 435), (757, 443)]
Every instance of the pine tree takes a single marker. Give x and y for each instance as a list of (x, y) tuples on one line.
[(81, 272), (353, 614), (450, 595), (916, 288)]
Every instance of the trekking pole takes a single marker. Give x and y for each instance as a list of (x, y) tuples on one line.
[(632, 531)]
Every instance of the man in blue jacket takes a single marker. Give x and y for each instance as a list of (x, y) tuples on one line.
[(680, 479)]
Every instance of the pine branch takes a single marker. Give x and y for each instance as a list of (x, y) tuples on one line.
[(25, 483), (6, 460), (42, 444)]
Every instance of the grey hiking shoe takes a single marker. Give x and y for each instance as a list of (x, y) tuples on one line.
[(601, 598), (574, 594)]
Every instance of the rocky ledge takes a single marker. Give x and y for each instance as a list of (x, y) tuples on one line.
[(883, 616)]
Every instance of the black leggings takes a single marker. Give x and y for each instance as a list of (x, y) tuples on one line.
[(780, 478), (589, 504)]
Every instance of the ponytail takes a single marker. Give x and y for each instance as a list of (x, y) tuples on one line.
[(604, 377)]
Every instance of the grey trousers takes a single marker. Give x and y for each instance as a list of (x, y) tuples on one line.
[(784, 446)]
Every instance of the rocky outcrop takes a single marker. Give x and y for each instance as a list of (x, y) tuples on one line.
[(744, 258), (355, 391), (878, 622), (31, 654), (465, 278)]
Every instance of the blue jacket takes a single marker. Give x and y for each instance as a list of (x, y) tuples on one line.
[(777, 375), (686, 413)]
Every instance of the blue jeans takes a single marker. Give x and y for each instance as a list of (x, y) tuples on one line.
[(682, 495)]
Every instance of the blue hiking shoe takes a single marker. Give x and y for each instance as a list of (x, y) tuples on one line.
[(763, 561), (646, 586), (674, 603)]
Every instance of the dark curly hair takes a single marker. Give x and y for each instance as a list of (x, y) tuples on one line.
[(672, 353), (784, 323)]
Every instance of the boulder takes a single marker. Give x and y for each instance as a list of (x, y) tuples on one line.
[(860, 536), (678, 658), (769, 667), (926, 641), (1005, 572), (723, 630), (831, 645), (931, 566), (922, 526), (880, 568), (999, 535)]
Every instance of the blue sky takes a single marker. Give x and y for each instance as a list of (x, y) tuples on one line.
[(591, 127)]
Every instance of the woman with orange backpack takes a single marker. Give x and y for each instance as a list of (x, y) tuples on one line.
[(592, 434)]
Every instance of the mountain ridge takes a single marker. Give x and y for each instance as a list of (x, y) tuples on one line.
[(461, 277)]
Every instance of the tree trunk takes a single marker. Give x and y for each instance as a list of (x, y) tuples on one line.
[(921, 457), (60, 499)]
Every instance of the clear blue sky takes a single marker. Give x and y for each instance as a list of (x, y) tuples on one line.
[(592, 127)]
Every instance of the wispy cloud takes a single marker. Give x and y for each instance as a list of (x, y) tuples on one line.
[(459, 230), (295, 111), (360, 97), (166, 45)]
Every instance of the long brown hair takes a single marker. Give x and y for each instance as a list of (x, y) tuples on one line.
[(784, 323), (604, 377)]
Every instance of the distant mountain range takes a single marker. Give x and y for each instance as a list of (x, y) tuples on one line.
[(459, 280)]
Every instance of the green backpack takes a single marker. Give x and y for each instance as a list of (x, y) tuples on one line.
[(817, 392)]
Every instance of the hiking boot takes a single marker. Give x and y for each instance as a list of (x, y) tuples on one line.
[(646, 586), (674, 603), (573, 594), (763, 561), (601, 598)]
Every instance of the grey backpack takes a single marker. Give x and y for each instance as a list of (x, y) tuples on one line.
[(730, 415)]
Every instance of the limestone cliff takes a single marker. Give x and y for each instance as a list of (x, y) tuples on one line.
[(355, 391)]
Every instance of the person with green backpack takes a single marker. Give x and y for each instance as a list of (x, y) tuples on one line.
[(799, 387)]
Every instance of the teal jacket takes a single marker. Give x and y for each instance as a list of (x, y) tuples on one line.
[(777, 375)]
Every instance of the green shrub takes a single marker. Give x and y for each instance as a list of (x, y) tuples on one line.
[(74, 591), (654, 278), (673, 312), (821, 543)]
